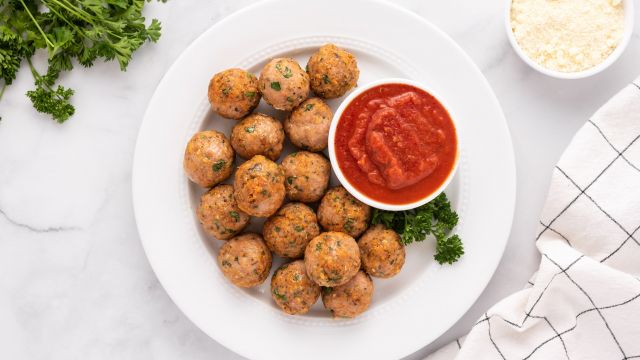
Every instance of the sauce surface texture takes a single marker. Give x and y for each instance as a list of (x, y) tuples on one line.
[(396, 143)]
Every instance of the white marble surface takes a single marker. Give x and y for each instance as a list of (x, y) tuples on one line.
[(74, 281)]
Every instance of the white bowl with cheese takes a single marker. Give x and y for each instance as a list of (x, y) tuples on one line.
[(548, 50)]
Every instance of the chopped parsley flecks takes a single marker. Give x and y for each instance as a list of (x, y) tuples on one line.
[(218, 165)]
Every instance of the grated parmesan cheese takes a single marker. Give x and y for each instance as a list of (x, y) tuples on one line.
[(567, 35)]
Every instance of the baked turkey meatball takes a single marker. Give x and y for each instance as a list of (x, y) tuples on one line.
[(258, 134), (283, 83), (308, 125), (219, 213), (332, 71), (340, 211), (332, 258), (307, 176), (351, 299), (208, 158), (288, 232), (245, 260), (234, 93), (259, 186), (292, 289), (381, 252)]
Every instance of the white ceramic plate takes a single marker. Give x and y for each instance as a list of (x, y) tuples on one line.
[(407, 311)]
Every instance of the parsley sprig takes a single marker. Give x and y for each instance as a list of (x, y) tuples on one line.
[(434, 218), (69, 30)]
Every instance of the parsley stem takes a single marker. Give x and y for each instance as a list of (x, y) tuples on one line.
[(4, 87), (53, 10), (36, 23), (36, 74)]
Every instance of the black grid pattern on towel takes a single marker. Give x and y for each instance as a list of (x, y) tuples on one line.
[(555, 333)]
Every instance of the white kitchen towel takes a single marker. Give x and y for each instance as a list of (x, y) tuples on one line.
[(584, 301)]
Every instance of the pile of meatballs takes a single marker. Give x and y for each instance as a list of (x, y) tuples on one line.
[(325, 258)]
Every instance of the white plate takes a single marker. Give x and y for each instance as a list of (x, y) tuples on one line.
[(408, 311)]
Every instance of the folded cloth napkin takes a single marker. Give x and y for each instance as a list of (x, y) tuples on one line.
[(584, 301)]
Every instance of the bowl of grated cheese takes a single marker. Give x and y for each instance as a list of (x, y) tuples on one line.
[(569, 39)]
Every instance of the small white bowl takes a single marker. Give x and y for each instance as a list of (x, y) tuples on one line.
[(343, 180), (626, 36)]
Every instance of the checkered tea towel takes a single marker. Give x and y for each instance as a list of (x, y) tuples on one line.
[(584, 301)]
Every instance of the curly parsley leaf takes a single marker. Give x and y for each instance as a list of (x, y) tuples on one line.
[(435, 218)]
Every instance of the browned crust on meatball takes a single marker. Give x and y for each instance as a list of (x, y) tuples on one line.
[(381, 251), (208, 158), (292, 290), (308, 125), (351, 299), (288, 232), (259, 186), (245, 260), (233, 93), (306, 176), (219, 214), (332, 258), (340, 211), (284, 84), (332, 71), (258, 134)]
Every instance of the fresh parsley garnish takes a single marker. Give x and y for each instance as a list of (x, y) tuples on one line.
[(72, 31), (308, 107), (434, 218), (250, 129), (275, 86), (250, 94), (218, 165)]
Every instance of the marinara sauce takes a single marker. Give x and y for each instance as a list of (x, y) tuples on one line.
[(396, 143)]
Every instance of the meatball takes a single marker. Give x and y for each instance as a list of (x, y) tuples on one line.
[(332, 72), (208, 158), (381, 252), (284, 84), (288, 232), (258, 134), (340, 211), (245, 260), (308, 125), (259, 186), (292, 289), (307, 176), (219, 213), (332, 258), (234, 93), (351, 299)]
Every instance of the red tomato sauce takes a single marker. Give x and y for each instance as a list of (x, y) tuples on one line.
[(396, 143)]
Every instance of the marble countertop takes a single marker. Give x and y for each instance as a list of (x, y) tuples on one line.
[(74, 280)]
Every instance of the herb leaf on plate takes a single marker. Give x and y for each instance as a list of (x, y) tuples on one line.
[(435, 218)]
